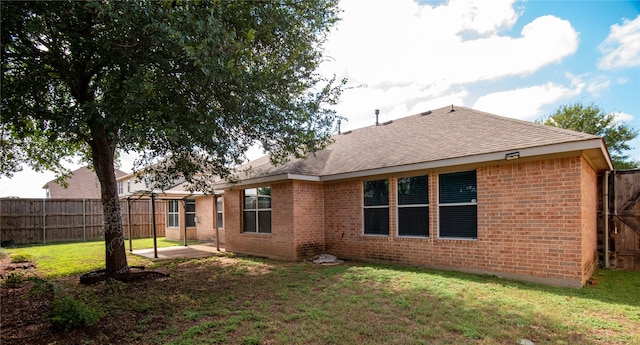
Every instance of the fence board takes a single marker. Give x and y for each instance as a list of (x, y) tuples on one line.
[(30, 221), (624, 241)]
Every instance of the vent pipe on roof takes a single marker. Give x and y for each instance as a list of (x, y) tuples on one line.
[(339, 122), (452, 110), (377, 113)]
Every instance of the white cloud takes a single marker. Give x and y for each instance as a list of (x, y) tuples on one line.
[(399, 42), (594, 87), (416, 57), (622, 117), (526, 103), (621, 48)]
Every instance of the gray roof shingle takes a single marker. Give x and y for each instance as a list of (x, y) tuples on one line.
[(428, 137)]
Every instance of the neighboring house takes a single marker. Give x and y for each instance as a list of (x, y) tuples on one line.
[(129, 183), (190, 215), (81, 184), (453, 188)]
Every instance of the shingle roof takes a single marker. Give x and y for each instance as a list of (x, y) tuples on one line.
[(432, 136)]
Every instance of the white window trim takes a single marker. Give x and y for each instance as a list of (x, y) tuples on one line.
[(376, 206), (220, 212), (169, 213), (398, 206), (257, 210), (454, 204), (186, 213)]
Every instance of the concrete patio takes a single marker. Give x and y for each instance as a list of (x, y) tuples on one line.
[(193, 251)]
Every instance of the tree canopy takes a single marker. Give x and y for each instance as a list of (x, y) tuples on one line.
[(190, 84), (593, 120)]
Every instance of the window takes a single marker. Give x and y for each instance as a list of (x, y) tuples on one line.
[(219, 208), (173, 215), (376, 207), (128, 186), (190, 212), (119, 187), (458, 208), (413, 206), (256, 213)]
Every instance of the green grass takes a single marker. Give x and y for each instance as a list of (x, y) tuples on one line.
[(63, 259), (229, 299)]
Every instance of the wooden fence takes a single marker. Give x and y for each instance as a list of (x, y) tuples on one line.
[(30, 221), (623, 242)]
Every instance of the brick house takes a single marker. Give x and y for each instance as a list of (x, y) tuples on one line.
[(193, 216), (452, 188), (187, 215), (82, 184)]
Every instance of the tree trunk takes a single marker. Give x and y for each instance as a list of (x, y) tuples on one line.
[(102, 150)]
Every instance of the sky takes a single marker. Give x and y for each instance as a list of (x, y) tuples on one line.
[(519, 59)]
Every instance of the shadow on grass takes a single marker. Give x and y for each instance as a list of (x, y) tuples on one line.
[(372, 303)]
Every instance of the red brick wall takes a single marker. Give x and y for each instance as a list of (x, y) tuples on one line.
[(530, 224), (308, 219), (278, 244), (205, 227), (536, 221)]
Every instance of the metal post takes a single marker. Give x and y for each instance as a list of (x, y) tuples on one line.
[(184, 220), (153, 214)]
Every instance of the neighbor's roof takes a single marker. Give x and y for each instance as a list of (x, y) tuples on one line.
[(432, 139)]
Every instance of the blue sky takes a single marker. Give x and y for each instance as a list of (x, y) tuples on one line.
[(519, 59)]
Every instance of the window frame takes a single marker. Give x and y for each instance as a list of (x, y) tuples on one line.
[(220, 213), (120, 187), (190, 216), (173, 216), (366, 208), (257, 210), (472, 203), (400, 206)]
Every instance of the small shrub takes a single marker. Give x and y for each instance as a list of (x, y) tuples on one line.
[(17, 258), (14, 280), (68, 313), (40, 286)]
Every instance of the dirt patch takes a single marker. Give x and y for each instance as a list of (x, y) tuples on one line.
[(135, 273), (8, 268), (23, 315)]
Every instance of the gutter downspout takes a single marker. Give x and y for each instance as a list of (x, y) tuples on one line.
[(153, 216)]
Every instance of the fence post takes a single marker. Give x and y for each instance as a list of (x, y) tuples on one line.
[(129, 223), (44, 221), (84, 221)]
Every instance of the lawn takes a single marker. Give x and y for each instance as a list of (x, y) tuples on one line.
[(228, 299), (63, 259)]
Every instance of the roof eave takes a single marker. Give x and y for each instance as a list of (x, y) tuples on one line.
[(594, 149)]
